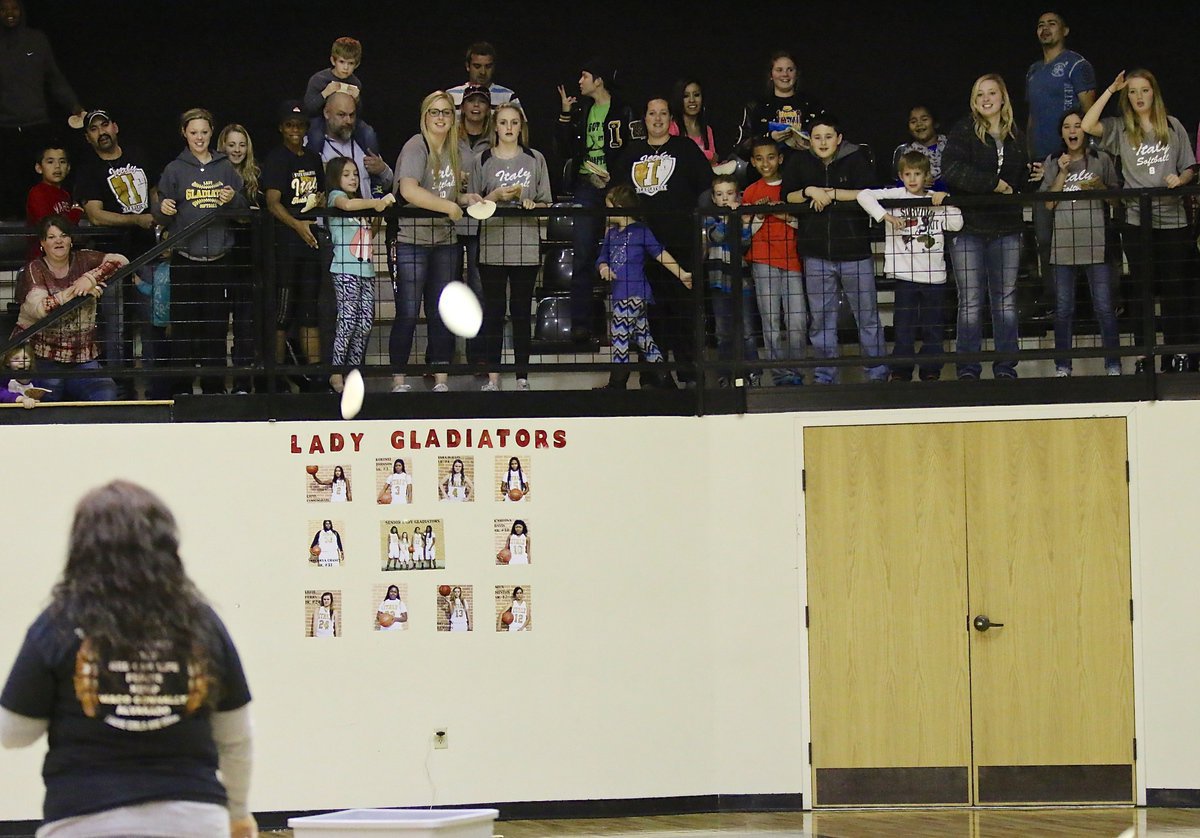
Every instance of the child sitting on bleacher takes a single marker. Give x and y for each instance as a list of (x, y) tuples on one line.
[(18, 390)]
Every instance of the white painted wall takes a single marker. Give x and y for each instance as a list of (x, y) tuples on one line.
[(668, 653)]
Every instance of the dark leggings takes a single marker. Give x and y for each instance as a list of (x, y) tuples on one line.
[(1174, 259), (496, 282)]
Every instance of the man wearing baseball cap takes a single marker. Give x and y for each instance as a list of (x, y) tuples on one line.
[(113, 186)]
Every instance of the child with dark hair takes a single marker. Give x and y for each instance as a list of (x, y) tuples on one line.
[(628, 246), (927, 139), (47, 196), (778, 275), (836, 246)]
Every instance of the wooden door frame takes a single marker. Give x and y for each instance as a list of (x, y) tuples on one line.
[(985, 414)]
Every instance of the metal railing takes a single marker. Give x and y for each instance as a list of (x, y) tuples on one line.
[(1153, 277)]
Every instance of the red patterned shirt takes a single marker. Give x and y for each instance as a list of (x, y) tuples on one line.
[(71, 340)]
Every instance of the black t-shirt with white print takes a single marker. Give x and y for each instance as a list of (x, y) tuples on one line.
[(296, 176), (122, 732)]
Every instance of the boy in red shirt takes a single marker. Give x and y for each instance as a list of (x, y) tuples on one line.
[(775, 265), (49, 197)]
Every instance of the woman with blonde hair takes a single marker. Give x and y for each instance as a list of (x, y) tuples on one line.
[(986, 155), (197, 183), (515, 175), (1155, 153), (234, 140), (426, 253)]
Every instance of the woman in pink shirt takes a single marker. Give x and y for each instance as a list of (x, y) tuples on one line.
[(688, 119)]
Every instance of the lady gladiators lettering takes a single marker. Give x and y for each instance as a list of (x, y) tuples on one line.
[(205, 195), (522, 438), (452, 438)]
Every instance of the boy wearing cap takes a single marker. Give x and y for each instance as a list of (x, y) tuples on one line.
[(592, 133), (293, 179)]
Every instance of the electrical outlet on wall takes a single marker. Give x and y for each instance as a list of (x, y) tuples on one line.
[(441, 738)]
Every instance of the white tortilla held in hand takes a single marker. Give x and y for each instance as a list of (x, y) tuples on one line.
[(482, 210), (353, 391), (75, 121), (460, 309)]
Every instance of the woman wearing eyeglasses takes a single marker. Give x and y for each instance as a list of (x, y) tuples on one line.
[(426, 251)]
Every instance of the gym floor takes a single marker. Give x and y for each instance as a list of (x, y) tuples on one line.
[(927, 823)]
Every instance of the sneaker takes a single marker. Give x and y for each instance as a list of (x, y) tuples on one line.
[(490, 387), (723, 383), (1113, 370), (441, 388), (401, 388), (1062, 372), (522, 383), (755, 379)]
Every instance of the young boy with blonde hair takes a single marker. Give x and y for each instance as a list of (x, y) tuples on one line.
[(914, 256)]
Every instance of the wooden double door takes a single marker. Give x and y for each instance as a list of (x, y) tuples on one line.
[(970, 636)]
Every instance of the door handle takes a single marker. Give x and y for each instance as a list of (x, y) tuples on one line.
[(982, 623)]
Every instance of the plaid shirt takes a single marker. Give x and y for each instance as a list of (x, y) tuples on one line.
[(71, 340)]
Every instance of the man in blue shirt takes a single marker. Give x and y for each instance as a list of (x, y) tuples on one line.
[(1062, 81)]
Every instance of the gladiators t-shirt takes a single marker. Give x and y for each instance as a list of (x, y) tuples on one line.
[(296, 176)]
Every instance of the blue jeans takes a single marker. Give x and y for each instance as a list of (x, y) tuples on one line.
[(780, 296), (422, 272), (585, 241), (919, 312), (98, 389), (1100, 282), (986, 266), (857, 279)]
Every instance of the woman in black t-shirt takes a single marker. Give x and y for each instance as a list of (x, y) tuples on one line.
[(783, 107), (138, 680)]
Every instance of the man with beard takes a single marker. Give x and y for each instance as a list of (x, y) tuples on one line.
[(341, 114), (114, 189)]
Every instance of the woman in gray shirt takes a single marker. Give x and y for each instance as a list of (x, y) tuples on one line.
[(512, 175), (426, 254), (1154, 152)]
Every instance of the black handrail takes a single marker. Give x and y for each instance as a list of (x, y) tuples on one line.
[(21, 337)]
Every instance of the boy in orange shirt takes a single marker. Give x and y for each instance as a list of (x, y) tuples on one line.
[(775, 265)]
